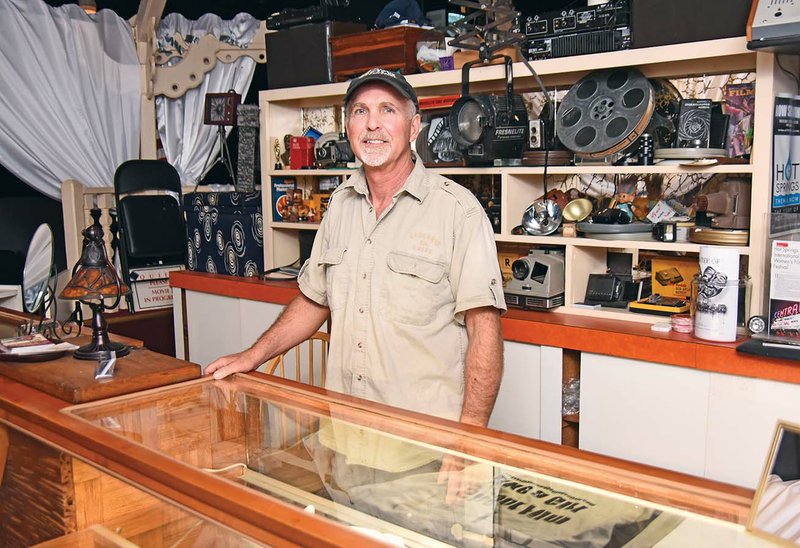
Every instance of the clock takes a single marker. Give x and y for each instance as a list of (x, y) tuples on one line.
[(220, 108)]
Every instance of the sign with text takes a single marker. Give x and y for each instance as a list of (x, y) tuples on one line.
[(151, 288)]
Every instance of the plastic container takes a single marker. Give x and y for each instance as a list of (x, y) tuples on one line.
[(720, 308)]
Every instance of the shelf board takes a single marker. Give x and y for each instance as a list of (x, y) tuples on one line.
[(344, 172), (686, 247), (720, 56), (283, 225), (645, 170)]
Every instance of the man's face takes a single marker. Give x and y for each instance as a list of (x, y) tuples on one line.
[(379, 125)]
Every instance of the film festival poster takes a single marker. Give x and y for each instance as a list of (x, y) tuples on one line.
[(785, 211)]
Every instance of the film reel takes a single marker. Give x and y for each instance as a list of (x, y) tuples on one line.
[(605, 112)]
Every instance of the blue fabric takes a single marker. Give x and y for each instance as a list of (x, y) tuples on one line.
[(225, 232), (399, 11)]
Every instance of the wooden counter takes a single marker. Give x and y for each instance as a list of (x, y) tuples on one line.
[(582, 333)]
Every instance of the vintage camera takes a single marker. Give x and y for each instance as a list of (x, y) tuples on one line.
[(333, 149)]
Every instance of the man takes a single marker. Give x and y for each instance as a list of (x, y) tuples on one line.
[(405, 264)]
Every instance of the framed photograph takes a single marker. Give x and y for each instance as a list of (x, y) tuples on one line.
[(775, 512)]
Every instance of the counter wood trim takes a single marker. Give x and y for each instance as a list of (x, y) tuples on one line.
[(617, 338)]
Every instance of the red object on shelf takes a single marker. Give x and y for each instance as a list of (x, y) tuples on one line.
[(438, 102), (301, 152)]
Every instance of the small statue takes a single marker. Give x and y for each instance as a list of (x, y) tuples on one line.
[(278, 155)]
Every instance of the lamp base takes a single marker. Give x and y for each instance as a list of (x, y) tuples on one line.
[(101, 347), (95, 352)]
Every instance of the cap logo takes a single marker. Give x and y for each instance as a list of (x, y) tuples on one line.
[(382, 72)]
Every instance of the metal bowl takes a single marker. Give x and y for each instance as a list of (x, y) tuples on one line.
[(577, 210), (541, 218)]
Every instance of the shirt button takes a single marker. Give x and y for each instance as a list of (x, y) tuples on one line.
[(369, 240), (371, 210), (363, 275), (361, 310), (359, 377), (360, 345), (493, 282)]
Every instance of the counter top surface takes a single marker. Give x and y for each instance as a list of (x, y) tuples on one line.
[(622, 339)]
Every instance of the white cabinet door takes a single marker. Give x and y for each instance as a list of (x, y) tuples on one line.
[(645, 412), (517, 408), (742, 415), (214, 326)]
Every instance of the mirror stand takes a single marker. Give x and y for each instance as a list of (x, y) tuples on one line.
[(48, 324)]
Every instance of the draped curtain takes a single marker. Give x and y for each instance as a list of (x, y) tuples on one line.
[(70, 106), (190, 145)]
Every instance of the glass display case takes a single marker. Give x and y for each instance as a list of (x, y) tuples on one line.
[(409, 479)]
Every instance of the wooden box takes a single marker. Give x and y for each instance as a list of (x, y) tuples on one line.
[(393, 48)]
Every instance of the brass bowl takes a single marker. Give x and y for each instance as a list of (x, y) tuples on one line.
[(577, 210)]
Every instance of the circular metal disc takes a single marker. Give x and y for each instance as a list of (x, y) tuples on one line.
[(577, 210), (541, 218), (605, 111)]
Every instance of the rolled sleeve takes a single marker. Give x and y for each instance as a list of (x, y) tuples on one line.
[(475, 272)]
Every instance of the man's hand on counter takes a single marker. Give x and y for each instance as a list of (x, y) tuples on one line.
[(234, 363)]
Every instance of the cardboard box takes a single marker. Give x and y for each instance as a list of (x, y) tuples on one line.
[(672, 276)]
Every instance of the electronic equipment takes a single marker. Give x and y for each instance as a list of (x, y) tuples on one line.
[(291, 17), (730, 204), (577, 31), (537, 280), (333, 150), (774, 25), (660, 305), (490, 128), (657, 23)]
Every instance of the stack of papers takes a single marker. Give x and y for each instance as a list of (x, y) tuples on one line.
[(32, 344)]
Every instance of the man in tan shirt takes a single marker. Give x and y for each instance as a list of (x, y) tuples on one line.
[(404, 263)]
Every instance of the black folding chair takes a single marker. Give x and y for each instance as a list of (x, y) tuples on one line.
[(152, 228)]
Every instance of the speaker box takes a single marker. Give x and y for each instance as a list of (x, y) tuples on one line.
[(659, 22), (301, 56)]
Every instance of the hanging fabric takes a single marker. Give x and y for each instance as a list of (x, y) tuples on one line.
[(70, 108), (189, 144)]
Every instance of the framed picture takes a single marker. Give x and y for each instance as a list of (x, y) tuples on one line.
[(775, 512)]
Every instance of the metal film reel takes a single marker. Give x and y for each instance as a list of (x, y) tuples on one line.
[(605, 112)]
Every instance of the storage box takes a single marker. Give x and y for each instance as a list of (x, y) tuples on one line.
[(672, 276), (394, 48), (301, 56), (225, 232), (661, 23)]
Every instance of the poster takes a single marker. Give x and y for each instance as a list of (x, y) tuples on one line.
[(784, 289), (785, 207)]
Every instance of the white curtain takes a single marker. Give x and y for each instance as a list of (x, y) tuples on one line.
[(190, 145), (69, 107)]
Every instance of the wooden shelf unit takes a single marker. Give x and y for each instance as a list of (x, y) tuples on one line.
[(281, 114)]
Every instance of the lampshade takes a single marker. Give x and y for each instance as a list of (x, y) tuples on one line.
[(93, 277), (89, 6), (93, 280)]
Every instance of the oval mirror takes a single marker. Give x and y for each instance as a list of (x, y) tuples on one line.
[(38, 268)]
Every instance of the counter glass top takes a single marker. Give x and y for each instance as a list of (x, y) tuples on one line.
[(382, 470)]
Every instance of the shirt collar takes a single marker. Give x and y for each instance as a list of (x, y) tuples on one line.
[(417, 183)]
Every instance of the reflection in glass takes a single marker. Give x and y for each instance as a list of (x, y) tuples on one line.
[(777, 501), (38, 268), (384, 475)]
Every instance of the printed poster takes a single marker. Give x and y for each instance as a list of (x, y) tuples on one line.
[(785, 214)]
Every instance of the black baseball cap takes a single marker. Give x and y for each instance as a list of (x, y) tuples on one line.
[(394, 79)]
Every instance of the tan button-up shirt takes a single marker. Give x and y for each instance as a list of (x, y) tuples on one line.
[(398, 287)]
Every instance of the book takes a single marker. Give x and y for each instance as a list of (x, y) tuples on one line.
[(32, 344)]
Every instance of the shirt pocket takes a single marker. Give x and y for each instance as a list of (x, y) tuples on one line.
[(416, 289), (336, 276)]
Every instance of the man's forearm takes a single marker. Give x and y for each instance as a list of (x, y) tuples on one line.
[(301, 318), (483, 366)]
